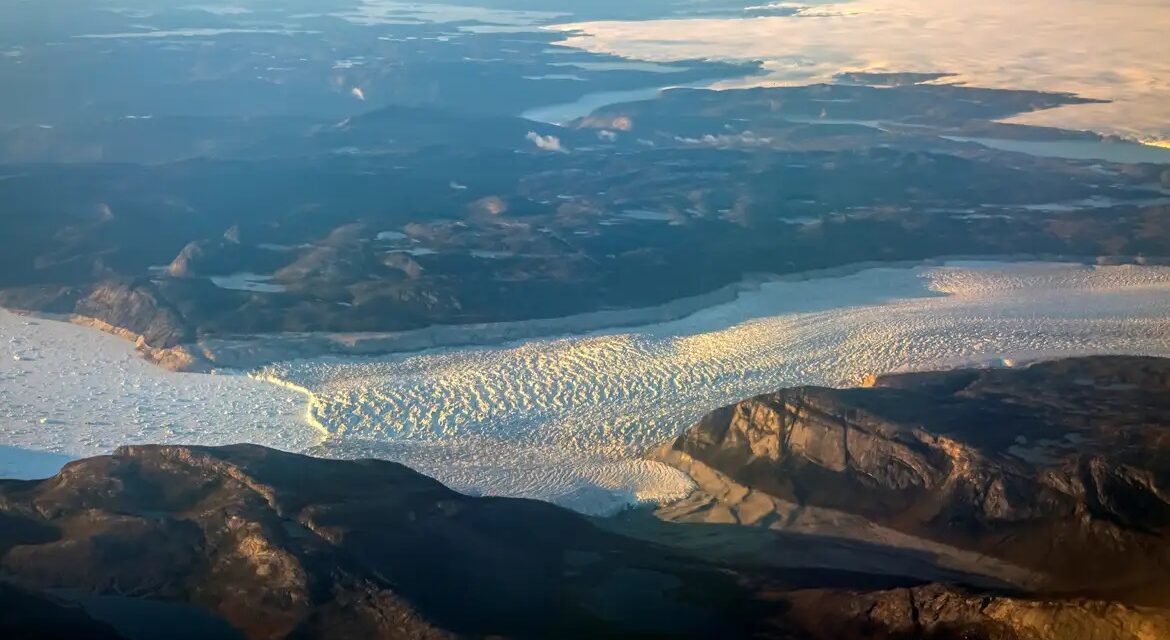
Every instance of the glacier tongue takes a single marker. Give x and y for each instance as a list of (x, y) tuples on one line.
[(567, 419)]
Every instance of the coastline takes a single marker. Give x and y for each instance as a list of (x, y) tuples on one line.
[(253, 351), (607, 397)]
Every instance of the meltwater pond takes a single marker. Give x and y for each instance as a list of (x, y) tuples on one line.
[(567, 419)]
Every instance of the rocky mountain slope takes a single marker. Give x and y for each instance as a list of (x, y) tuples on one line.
[(404, 218), (1051, 477), (281, 545), (247, 542), (1019, 504)]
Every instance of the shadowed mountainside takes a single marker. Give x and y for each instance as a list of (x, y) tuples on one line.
[(1052, 477), (279, 545)]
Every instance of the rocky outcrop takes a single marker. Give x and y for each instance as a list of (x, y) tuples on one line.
[(136, 308), (935, 611), (137, 312), (185, 264), (1054, 477), (245, 541), (281, 545), (218, 256)]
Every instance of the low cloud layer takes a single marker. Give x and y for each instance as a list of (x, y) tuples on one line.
[(396, 12), (547, 143), (1114, 50)]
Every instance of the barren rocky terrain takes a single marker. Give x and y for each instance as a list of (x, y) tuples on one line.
[(820, 514), (334, 230), (471, 275), (1050, 477)]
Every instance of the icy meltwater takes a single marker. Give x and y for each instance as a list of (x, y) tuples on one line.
[(567, 419)]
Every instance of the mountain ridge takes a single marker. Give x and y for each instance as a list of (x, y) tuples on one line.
[(1055, 469), (280, 545)]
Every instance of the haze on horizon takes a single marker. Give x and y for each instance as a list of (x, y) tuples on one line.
[(225, 174), (1115, 51)]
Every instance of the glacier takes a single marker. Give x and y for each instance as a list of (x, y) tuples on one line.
[(568, 418)]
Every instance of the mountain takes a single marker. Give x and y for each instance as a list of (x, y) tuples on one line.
[(409, 217), (397, 129), (1052, 477), (999, 504), (282, 545)]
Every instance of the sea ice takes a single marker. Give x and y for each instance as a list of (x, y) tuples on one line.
[(86, 392)]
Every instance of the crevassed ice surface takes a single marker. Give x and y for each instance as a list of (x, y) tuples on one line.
[(567, 419)]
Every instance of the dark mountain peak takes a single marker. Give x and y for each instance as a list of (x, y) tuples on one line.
[(1058, 468), (280, 545)]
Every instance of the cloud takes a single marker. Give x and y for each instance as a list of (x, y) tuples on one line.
[(805, 11), (1107, 50), (617, 123), (491, 205), (104, 212), (546, 143), (745, 139), (221, 10), (358, 93), (394, 12)]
